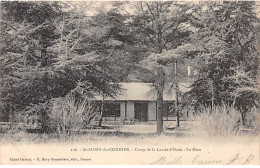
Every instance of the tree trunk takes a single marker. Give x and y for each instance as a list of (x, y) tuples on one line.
[(45, 118), (101, 111), (160, 86), (176, 95), (101, 115), (243, 118)]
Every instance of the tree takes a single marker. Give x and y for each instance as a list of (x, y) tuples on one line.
[(159, 27), (225, 49), (26, 32), (47, 58)]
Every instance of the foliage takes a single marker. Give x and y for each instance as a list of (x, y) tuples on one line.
[(221, 121), (158, 26), (47, 53), (70, 114), (252, 119), (26, 32), (52, 49), (225, 50)]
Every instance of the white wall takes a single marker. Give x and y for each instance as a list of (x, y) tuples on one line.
[(122, 109), (130, 110), (151, 110)]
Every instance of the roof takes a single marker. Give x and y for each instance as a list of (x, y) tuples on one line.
[(145, 92)]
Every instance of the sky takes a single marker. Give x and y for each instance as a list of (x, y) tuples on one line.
[(91, 8)]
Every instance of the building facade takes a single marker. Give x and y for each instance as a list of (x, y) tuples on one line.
[(137, 101)]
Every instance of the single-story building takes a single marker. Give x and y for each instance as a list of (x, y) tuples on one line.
[(137, 101)]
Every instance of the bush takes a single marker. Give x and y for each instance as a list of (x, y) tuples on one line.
[(68, 115), (253, 120), (220, 121)]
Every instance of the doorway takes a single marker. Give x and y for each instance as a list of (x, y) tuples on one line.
[(141, 111)]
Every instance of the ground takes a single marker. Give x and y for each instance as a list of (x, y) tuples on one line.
[(137, 133), (184, 145)]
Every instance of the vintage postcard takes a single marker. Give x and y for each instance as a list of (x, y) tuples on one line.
[(130, 83)]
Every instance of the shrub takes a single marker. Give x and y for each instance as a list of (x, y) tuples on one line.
[(253, 120), (129, 121), (68, 115), (220, 121)]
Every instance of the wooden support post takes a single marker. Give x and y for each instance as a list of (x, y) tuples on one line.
[(176, 95)]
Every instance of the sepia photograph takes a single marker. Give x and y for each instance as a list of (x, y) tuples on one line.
[(130, 82)]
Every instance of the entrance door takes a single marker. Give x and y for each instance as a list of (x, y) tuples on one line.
[(141, 110)]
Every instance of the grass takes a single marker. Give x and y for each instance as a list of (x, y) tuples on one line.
[(211, 134), (124, 134)]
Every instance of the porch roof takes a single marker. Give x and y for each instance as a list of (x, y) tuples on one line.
[(145, 92)]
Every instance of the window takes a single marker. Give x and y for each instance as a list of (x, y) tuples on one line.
[(167, 112), (111, 109), (165, 109)]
